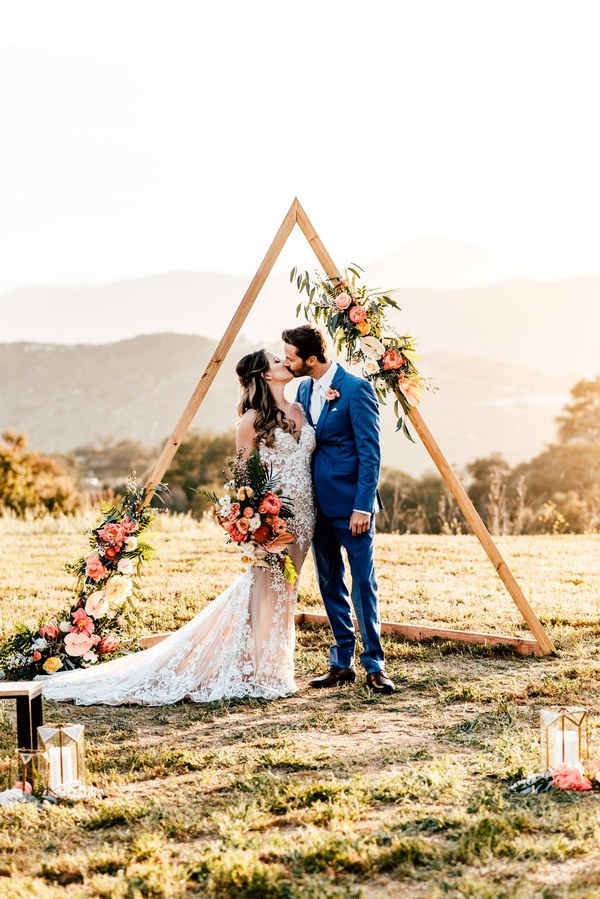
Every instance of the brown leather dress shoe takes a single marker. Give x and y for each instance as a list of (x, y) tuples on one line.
[(334, 677), (379, 682)]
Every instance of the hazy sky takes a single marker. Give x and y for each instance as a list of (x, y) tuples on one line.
[(140, 137)]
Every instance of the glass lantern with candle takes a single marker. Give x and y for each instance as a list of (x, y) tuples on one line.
[(563, 736), (63, 746)]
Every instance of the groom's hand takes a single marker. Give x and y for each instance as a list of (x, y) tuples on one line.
[(359, 523)]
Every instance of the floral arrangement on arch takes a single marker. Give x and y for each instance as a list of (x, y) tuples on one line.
[(255, 515), (355, 318), (99, 621)]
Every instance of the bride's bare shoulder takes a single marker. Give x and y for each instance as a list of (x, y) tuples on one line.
[(246, 432)]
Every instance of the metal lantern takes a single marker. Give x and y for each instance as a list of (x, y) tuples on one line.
[(32, 770), (63, 745), (564, 736)]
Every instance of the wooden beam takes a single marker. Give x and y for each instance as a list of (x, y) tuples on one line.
[(481, 532), (409, 632), (216, 360)]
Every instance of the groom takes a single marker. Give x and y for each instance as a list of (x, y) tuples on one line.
[(344, 411)]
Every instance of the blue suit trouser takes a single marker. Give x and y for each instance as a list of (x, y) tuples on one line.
[(331, 535)]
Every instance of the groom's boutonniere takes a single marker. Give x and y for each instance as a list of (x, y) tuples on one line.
[(331, 395)]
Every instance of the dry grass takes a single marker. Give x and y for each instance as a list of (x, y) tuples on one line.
[(341, 794)]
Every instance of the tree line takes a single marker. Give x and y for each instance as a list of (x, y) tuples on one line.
[(557, 492)]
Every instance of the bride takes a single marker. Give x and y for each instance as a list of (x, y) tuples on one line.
[(242, 643)]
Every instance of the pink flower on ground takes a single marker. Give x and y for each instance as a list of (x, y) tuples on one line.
[(77, 644), (342, 301), (82, 623), (410, 390), (19, 786), (570, 777), (108, 643), (357, 314), (112, 534), (270, 504), (50, 631), (94, 568)]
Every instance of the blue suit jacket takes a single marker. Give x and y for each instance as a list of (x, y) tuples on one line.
[(347, 458)]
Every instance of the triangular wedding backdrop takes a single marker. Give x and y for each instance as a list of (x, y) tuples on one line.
[(296, 215)]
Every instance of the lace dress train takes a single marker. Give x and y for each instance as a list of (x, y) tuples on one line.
[(241, 644)]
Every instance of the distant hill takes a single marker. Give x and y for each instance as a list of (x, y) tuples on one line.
[(67, 396), (546, 326)]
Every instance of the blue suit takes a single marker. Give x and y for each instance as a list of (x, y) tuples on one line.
[(346, 465)]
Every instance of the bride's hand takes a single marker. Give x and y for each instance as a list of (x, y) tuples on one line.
[(245, 435)]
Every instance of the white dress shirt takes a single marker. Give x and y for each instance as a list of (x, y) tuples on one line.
[(317, 400)]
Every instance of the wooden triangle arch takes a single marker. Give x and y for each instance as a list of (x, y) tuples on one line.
[(542, 644)]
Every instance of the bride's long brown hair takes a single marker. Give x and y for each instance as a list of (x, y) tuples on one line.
[(251, 371)]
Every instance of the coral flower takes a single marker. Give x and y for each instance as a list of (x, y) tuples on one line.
[(279, 542), (237, 536), (82, 622), (279, 526), (36, 656), (392, 359), (108, 643), (94, 568), (363, 328), (128, 525), (270, 505), (113, 534), (570, 777), (50, 631), (357, 314)]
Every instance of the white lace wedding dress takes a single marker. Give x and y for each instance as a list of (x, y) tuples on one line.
[(241, 644)]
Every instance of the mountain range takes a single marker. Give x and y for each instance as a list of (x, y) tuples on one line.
[(65, 396)]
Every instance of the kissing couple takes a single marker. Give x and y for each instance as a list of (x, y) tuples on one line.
[(324, 451)]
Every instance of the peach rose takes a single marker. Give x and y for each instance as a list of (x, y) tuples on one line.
[(112, 533), (237, 536), (270, 505), (128, 525), (97, 605), (248, 512), (50, 631), (94, 568), (108, 643), (392, 359), (77, 644), (363, 328), (245, 493), (342, 301), (118, 588), (82, 622), (357, 314), (52, 664), (243, 525), (131, 544)]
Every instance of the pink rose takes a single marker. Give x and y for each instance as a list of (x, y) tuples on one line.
[(50, 631), (392, 359), (237, 536), (270, 504), (128, 525), (342, 301), (112, 533), (357, 314), (77, 644), (570, 777), (234, 511), (248, 512), (108, 643), (94, 568), (82, 622), (228, 526), (243, 524)]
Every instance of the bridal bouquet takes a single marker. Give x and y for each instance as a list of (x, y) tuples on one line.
[(95, 625), (355, 318), (255, 515)]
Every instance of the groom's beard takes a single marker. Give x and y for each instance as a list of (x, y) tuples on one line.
[(302, 371)]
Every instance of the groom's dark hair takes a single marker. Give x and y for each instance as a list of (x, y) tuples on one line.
[(308, 340)]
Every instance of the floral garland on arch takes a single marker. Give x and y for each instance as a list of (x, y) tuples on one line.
[(99, 623), (355, 318)]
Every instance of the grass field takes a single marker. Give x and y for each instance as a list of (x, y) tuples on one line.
[(324, 794)]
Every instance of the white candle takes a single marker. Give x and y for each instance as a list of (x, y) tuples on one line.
[(54, 757), (566, 747), (67, 768)]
